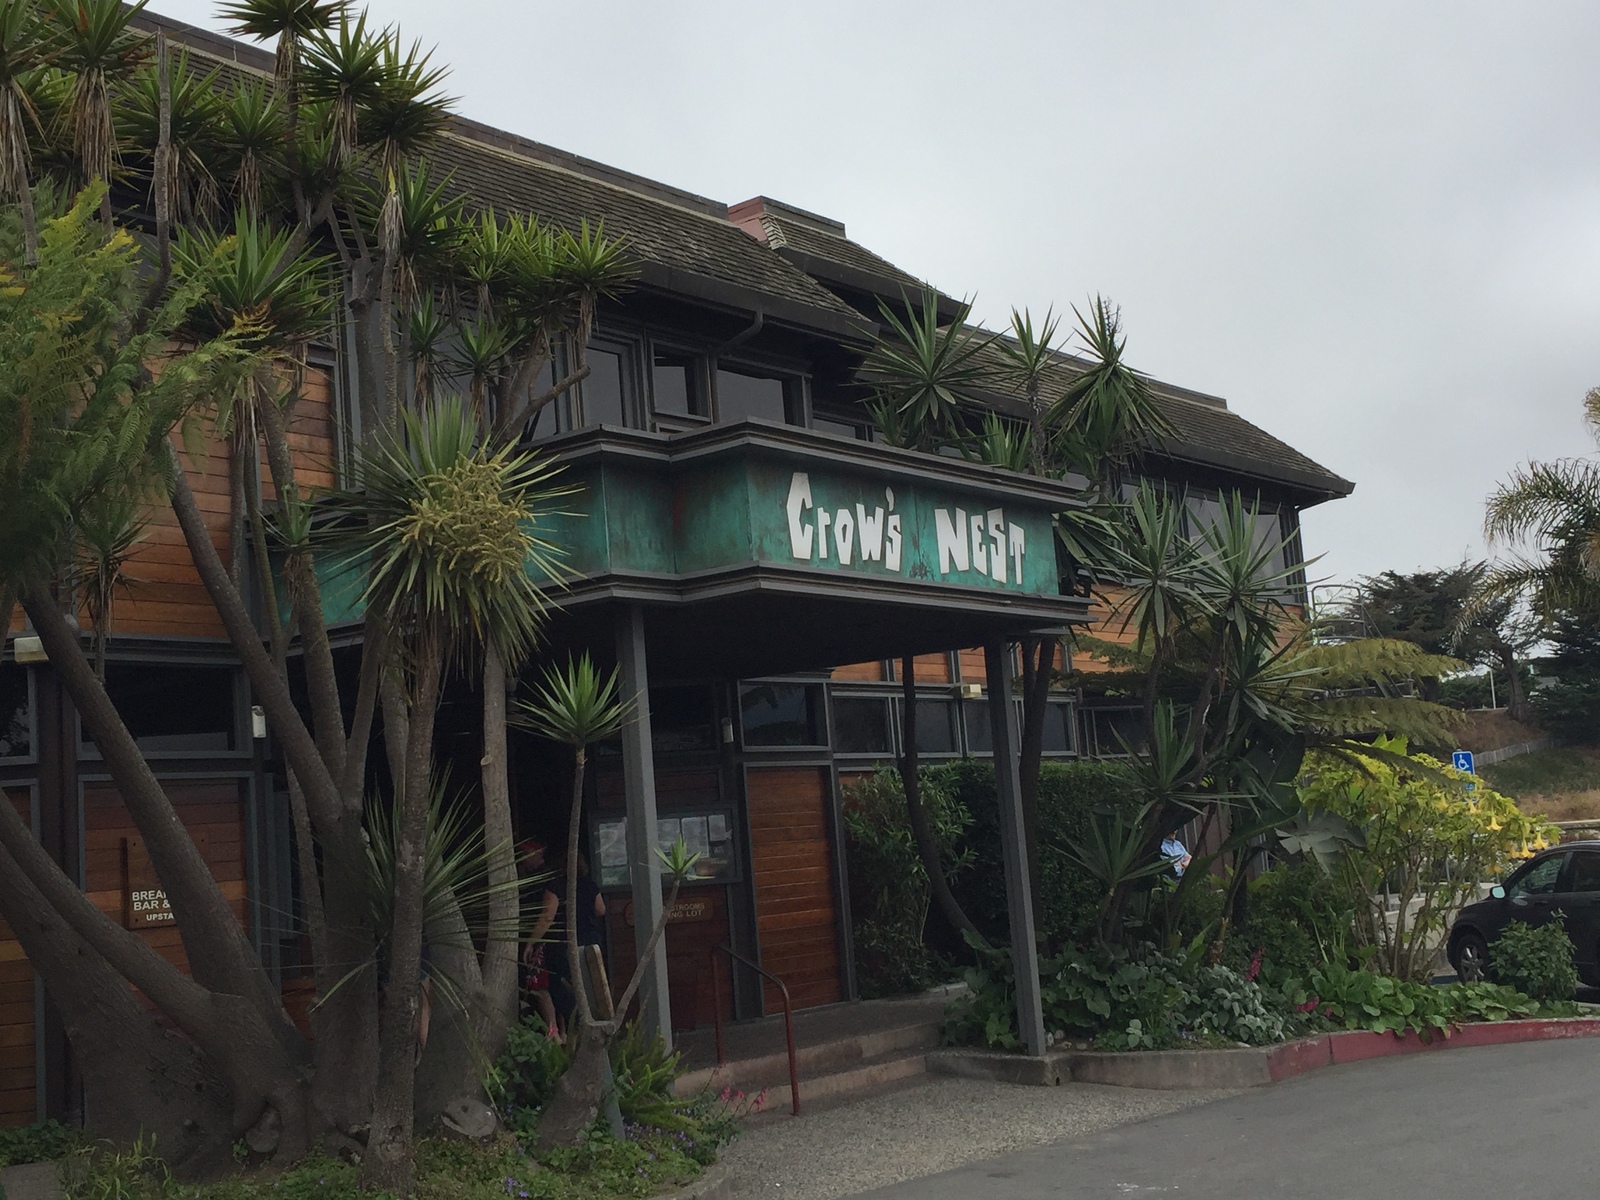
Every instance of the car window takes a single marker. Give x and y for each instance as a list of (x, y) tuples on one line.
[(1540, 879), (1583, 875)]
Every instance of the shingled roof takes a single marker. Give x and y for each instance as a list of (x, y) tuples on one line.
[(761, 255)]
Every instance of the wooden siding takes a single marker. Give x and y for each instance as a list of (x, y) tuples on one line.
[(212, 810), (690, 944), (867, 672), (166, 597), (792, 860), (17, 1056)]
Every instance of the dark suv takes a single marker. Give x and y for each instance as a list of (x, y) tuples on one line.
[(1563, 880)]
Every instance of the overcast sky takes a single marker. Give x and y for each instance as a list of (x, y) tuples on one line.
[(1373, 227)]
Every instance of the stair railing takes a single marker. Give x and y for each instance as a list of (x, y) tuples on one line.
[(788, 1013)]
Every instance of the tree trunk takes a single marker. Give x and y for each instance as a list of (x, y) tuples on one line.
[(927, 845), (390, 1164), (138, 1077), (499, 1009), (1517, 706)]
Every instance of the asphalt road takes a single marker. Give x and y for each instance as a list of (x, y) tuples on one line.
[(1500, 1121)]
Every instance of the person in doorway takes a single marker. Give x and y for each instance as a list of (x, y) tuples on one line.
[(1176, 854), (535, 975)]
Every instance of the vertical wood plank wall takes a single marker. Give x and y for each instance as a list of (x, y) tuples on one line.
[(212, 810), (792, 860), (17, 1103)]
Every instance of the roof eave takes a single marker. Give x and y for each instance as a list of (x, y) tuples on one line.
[(675, 281)]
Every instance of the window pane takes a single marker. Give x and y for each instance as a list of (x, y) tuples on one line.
[(1057, 729), (676, 378), (860, 725), (740, 395), (602, 390), (682, 718), (780, 714), (169, 708), (16, 715), (1584, 873), (835, 425), (980, 734), (1540, 879), (936, 727)]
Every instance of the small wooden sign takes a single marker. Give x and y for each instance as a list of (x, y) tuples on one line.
[(144, 903), (684, 912)]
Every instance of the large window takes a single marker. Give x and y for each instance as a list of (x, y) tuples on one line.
[(16, 712), (742, 394), (781, 714), (172, 709), (676, 381), (861, 725), (936, 727), (682, 718), (607, 394)]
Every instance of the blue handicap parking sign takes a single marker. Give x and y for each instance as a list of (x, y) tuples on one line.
[(1461, 760)]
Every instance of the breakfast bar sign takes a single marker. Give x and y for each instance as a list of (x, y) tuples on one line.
[(144, 902)]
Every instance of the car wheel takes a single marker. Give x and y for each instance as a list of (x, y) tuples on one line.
[(1472, 958)]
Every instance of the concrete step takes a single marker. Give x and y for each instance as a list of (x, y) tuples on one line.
[(861, 1079), (815, 1062)]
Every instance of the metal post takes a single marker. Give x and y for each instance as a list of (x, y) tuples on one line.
[(639, 788), (1013, 845)]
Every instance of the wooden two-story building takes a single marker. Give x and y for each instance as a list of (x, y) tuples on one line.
[(746, 551)]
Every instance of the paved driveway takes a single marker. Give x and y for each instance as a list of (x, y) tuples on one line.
[(1501, 1121)]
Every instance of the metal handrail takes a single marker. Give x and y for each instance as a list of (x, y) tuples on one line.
[(788, 1014)]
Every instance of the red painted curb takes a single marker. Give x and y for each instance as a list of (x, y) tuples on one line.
[(1358, 1045)]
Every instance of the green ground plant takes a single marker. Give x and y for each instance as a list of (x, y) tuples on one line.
[(1545, 772), (37, 1143), (1537, 960), (1347, 998)]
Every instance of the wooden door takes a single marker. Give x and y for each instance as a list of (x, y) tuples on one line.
[(17, 1058), (797, 915)]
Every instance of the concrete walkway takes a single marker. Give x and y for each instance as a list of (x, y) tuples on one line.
[(924, 1128), (1494, 1122)]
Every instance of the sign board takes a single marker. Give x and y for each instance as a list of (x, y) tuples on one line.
[(1461, 760), (144, 903), (683, 912)]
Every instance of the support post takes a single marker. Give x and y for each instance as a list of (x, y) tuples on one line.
[(639, 790), (1013, 844)]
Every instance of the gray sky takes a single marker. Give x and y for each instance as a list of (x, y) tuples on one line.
[(1373, 227)]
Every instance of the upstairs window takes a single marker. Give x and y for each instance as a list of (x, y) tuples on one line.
[(676, 382), (840, 426), (781, 714), (174, 709), (742, 393), (606, 397)]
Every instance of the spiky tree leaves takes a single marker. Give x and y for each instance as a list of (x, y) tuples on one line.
[(289, 21), (926, 371), (26, 49), (98, 45)]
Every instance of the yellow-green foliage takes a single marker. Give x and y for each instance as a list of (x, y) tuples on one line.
[(1432, 834)]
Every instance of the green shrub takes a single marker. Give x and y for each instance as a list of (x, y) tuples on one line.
[(1123, 1000), (37, 1143), (889, 888), (1536, 960), (1361, 999), (1298, 916), (1069, 899)]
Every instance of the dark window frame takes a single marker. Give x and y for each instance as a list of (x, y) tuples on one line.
[(796, 387), (820, 717), (33, 717), (630, 351), (243, 742), (701, 384)]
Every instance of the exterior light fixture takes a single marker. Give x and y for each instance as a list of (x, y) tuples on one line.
[(29, 650), (258, 722), (970, 691)]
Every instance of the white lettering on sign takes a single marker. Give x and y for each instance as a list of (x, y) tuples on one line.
[(150, 906), (983, 542)]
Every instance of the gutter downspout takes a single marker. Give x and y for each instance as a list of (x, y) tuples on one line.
[(743, 336)]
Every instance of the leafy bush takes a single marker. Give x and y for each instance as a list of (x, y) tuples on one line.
[(889, 888), (1537, 960), (1567, 700), (1069, 898), (1432, 833), (523, 1078), (1362, 999), (37, 1143), (1124, 1000), (1298, 917)]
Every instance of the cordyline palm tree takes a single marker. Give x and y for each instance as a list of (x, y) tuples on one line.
[(577, 707), (442, 530), (1549, 514)]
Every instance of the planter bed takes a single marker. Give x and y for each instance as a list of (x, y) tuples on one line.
[(1243, 1066)]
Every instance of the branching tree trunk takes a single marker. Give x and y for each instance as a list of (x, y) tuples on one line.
[(921, 829)]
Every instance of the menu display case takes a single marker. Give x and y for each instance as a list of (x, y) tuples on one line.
[(707, 833)]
